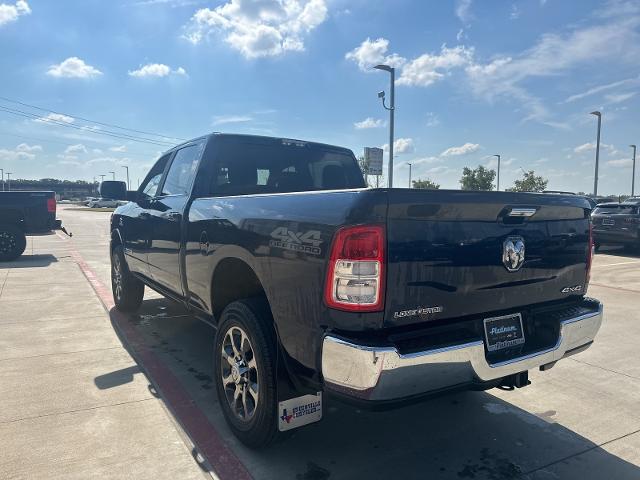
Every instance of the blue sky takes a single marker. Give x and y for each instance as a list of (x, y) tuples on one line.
[(475, 78)]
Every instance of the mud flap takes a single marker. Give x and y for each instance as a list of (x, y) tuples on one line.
[(299, 411)]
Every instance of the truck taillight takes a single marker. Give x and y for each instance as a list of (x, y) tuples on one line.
[(51, 205), (590, 253), (355, 275)]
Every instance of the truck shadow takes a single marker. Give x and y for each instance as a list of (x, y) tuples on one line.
[(31, 261), (471, 435)]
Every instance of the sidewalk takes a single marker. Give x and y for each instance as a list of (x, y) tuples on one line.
[(74, 402)]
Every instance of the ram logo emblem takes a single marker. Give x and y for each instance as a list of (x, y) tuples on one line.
[(513, 253)]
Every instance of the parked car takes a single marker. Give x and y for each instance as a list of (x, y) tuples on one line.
[(317, 285), (617, 224), (23, 213), (103, 203)]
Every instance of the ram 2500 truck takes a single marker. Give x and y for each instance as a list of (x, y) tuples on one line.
[(317, 285), (23, 213)]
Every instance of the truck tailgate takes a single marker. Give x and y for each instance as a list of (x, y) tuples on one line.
[(445, 252)]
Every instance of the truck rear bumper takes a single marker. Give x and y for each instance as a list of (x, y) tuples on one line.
[(382, 374)]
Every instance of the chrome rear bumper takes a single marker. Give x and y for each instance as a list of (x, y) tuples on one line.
[(383, 374)]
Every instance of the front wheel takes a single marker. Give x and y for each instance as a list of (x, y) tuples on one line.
[(12, 242), (245, 371), (128, 291)]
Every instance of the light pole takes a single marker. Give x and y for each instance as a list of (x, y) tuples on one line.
[(102, 177), (409, 174), (2, 171), (125, 166), (114, 175), (595, 180), (9, 181), (391, 108), (633, 175), (498, 181)]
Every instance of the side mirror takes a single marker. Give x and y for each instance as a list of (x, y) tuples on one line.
[(113, 189)]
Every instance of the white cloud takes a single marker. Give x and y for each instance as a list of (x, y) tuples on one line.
[(73, 67), (421, 71), (119, 149), (585, 147), (369, 123), (601, 88), (619, 97), (429, 68), (10, 13), (20, 152), (432, 119), (401, 145), (259, 28), (156, 70), (620, 163), (463, 11), (616, 40), (55, 118), (78, 148), (223, 119), (461, 150), (373, 52), (515, 12)]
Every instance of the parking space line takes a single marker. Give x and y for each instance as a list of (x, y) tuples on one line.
[(200, 430), (614, 264), (614, 287)]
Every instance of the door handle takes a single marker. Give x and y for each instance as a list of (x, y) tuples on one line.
[(173, 216)]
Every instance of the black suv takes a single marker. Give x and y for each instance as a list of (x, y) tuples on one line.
[(617, 223)]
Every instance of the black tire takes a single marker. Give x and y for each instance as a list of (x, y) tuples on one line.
[(252, 317), (128, 291), (12, 242)]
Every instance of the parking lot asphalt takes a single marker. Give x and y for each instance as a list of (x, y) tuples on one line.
[(79, 403)]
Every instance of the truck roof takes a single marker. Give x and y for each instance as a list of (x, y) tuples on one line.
[(259, 138)]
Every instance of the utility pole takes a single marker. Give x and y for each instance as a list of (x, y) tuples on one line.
[(595, 180), (409, 174), (391, 108), (633, 175), (498, 181), (125, 166), (9, 181)]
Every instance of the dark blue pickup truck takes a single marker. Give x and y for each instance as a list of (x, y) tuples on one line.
[(317, 285)]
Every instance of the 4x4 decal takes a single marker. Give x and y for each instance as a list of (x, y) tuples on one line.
[(306, 242)]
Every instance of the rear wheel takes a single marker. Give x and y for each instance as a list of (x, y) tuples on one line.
[(245, 371), (12, 242), (128, 291)]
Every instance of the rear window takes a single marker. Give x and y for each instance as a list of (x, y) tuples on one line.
[(616, 210), (248, 168)]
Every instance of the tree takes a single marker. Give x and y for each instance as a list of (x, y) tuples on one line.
[(530, 182), (480, 178), (425, 184)]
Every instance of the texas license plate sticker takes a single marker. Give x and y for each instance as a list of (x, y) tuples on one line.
[(299, 411), (503, 332)]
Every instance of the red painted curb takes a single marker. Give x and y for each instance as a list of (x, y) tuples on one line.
[(200, 430)]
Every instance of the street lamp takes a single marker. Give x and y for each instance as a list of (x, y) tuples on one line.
[(102, 177), (2, 172), (595, 180), (125, 166), (391, 108), (409, 174), (9, 181), (633, 175), (498, 181), (114, 175)]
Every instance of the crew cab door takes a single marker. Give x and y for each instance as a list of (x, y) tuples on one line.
[(166, 214)]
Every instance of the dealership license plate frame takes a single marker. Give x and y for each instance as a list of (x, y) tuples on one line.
[(499, 341)]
